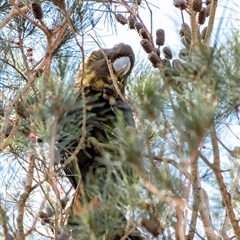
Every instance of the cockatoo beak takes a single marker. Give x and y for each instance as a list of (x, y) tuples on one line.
[(122, 65)]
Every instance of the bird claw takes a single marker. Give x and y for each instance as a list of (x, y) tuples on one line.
[(111, 91)]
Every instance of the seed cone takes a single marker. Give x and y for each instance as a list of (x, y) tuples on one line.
[(185, 30), (202, 16), (167, 52), (166, 62), (197, 5), (186, 40), (207, 2), (37, 11), (121, 19), (154, 59), (131, 22), (178, 65), (183, 54), (143, 34), (147, 46), (181, 4), (160, 37), (138, 26)]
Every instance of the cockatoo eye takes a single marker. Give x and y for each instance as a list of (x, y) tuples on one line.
[(122, 65)]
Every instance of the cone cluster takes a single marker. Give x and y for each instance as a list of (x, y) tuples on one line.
[(202, 12), (161, 55)]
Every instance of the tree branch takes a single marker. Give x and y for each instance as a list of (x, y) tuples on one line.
[(223, 189), (24, 196), (211, 21)]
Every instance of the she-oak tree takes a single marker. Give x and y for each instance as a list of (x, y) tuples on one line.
[(159, 172)]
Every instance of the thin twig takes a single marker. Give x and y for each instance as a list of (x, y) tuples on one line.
[(151, 19), (211, 21), (24, 196), (205, 160), (198, 191), (232, 192), (222, 186), (127, 231), (193, 24)]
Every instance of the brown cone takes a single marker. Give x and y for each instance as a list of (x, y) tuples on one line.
[(167, 52), (147, 46), (160, 37), (138, 26), (197, 5), (131, 22), (154, 59), (202, 16), (120, 18), (181, 4), (37, 11)]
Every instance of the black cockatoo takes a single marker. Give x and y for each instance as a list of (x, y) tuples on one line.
[(101, 118)]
